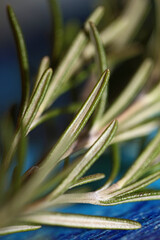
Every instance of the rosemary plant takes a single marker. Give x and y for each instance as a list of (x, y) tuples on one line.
[(28, 200)]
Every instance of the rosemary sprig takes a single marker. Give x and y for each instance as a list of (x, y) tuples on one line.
[(29, 196)]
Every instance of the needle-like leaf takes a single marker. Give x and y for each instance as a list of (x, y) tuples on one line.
[(129, 189), (18, 228), (102, 65), (81, 221), (139, 131), (142, 116), (58, 31), (58, 151), (21, 153), (86, 161), (22, 55), (30, 113), (115, 167), (114, 32), (88, 179), (135, 197), (66, 67), (44, 65), (128, 94), (134, 7), (54, 113), (99, 48), (148, 155), (36, 99)]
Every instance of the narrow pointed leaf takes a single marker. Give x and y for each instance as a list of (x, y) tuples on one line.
[(87, 160), (18, 228), (88, 179), (67, 65), (139, 131), (102, 65), (57, 28), (131, 188), (44, 65), (99, 48), (114, 32), (21, 154), (134, 7), (128, 93), (81, 221), (36, 99), (148, 155), (54, 113), (76, 126), (58, 151), (30, 113), (135, 197), (22, 55), (115, 167), (142, 116)]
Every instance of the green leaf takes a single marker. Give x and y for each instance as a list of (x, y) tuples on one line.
[(86, 161), (81, 221), (142, 116), (115, 167), (156, 33), (30, 113), (128, 94), (88, 179), (44, 65), (134, 8), (107, 195), (75, 127), (141, 104), (6, 132), (18, 228), (21, 155), (138, 131), (54, 113), (135, 197), (22, 55), (99, 48), (58, 150), (120, 27), (152, 168), (36, 100), (66, 67), (147, 156), (57, 28), (102, 65)]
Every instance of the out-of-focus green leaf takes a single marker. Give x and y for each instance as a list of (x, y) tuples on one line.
[(57, 29), (128, 94), (68, 63), (147, 156), (102, 66), (58, 150), (18, 228), (22, 55)]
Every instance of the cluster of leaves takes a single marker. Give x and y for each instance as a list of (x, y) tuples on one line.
[(25, 200)]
